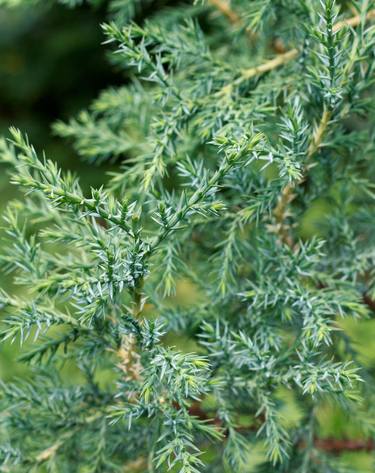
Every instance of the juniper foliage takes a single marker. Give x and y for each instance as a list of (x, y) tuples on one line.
[(238, 117)]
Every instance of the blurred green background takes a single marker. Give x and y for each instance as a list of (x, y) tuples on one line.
[(52, 64)]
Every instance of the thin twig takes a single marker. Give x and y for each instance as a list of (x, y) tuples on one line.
[(139, 464), (224, 8), (234, 18), (330, 445), (269, 65), (354, 21), (319, 133), (348, 445), (130, 360)]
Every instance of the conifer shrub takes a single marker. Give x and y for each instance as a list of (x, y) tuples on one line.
[(238, 119)]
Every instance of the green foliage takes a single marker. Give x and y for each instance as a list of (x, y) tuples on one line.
[(221, 153)]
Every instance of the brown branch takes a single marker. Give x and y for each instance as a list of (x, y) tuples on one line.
[(225, 9), (139, 464), (369, 302), (129, 358), (329, 445), (234, 18), (337, 446), (269, 65), (354, 21), (319, 133)]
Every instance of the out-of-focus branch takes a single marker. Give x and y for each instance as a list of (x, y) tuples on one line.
[(234, 18), (329, 445), (337, 446)]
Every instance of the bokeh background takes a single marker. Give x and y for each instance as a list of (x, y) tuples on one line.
[(52, 64)]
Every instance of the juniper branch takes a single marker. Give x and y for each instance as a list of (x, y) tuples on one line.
[(287, 194), (175, 253), (288, 56)]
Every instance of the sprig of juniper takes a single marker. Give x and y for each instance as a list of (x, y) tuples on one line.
[(223, 153)]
